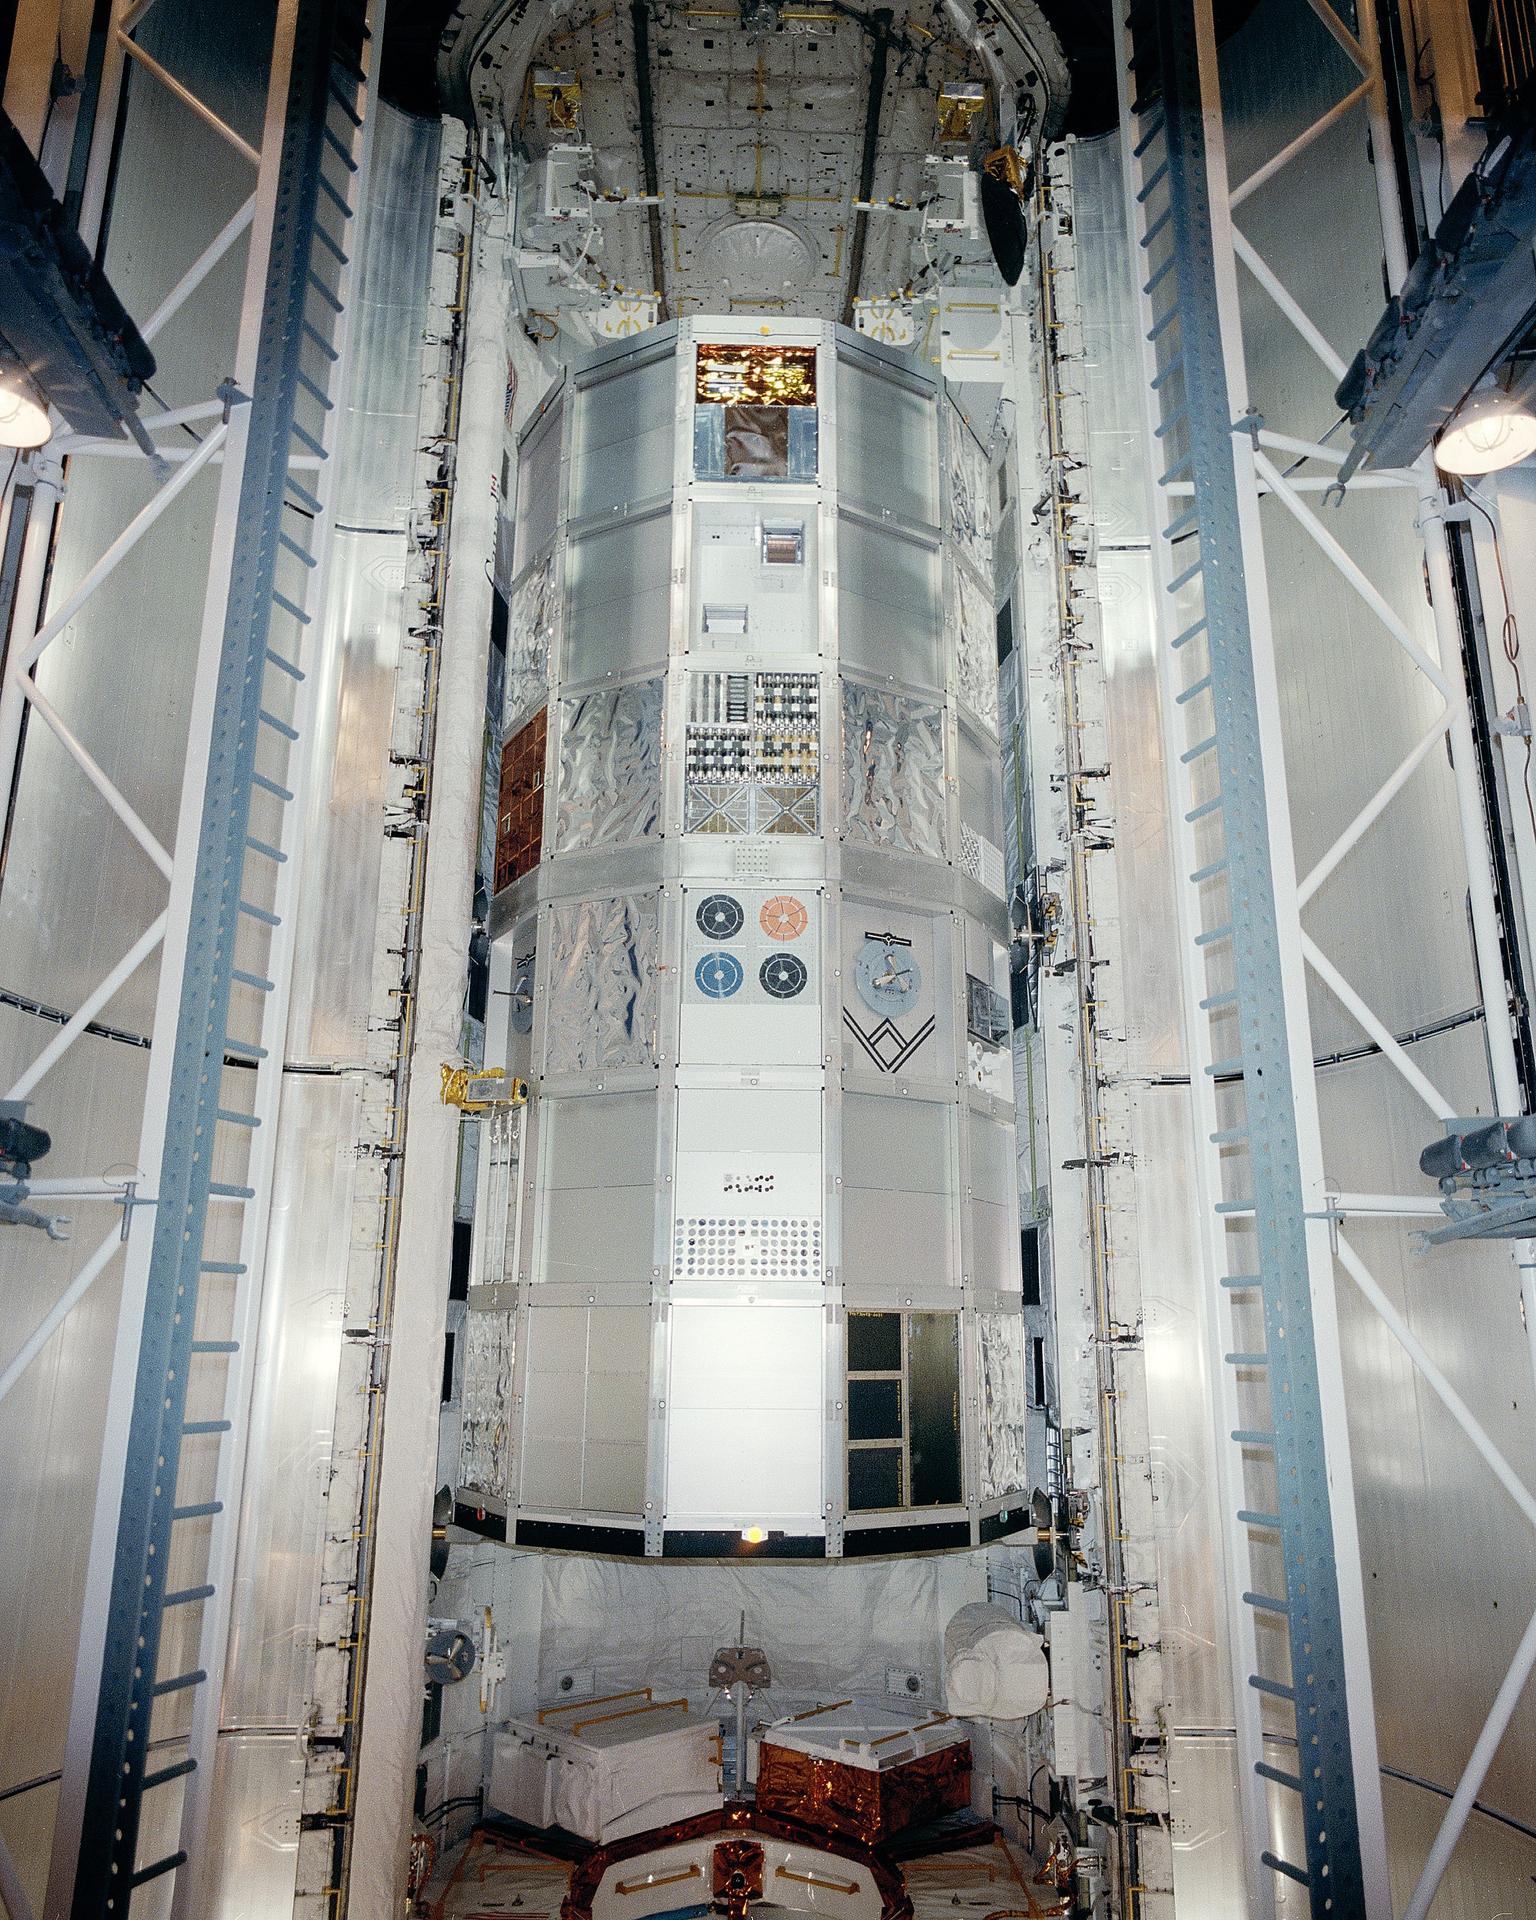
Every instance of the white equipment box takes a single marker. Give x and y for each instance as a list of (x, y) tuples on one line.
[(605, 1769)]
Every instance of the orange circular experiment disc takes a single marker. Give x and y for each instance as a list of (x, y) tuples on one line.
[(783, 917)]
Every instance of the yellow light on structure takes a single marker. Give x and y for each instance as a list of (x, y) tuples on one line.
[(24, 421), (1490, 430), (754, 1536)]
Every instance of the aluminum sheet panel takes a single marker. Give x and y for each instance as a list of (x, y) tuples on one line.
[(530, 635), (485, 1454), (277, 1569), (885, 443), (602, 985), (893, 771), (967, 491), (610, 767), (254, 1826), (1004, 1404), (970, 626)]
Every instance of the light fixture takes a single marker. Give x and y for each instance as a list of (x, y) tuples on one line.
[(754, 1536), (1491, 429), (24, 421)]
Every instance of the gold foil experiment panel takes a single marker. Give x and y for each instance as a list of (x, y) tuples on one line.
[(755, 376)]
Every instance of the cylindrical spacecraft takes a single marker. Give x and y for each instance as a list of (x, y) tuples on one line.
[(746, 1269)]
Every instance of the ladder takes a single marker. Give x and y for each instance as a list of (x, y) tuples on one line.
[(1293, 1634), (157, 1711)]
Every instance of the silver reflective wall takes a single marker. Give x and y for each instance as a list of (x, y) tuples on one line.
[(761, 1264)]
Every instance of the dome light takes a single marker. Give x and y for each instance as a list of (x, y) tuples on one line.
[(24, 422), (1490, 430)]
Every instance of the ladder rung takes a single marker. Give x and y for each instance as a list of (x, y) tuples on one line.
[(302, 554), (1255, 1437), (1206, 806), (226, 1190), (228, 1114), (186, 1596), (245, 1049), (267, 852), (1156, 227), (347, 106), (261, 984), (267, 918), (206, 1426), (1225, 1070), (322, 345), (294, 612), (1266, 1772), (319, 286), (153, 1872), (1161, 380), (180, 1683), (1266, 1602), (1214, 1000), (1152, 182), (1201, 874), (1163, 271), (215, 1346), (1174, 419), (1200, 747), (303, 495), (339, 200), (1234, 1206), (340, 146), (285, 665), (332, 246), (221, 1266), (1273, 1687), (1161, 324), (1183, 639), (1247, 1359), (1277, 1865), (271, 720), (200, 1510), (1271, 1524), (1235, 1282), (1176, 472), (177, 1770), (1183, 579), (1213, 934), (317, 390), (1229, 1137), (1187, 523), (271, 786), (1149, 136), (306, 439)]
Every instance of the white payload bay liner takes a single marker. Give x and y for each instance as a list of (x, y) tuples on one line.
[(605, 1769)]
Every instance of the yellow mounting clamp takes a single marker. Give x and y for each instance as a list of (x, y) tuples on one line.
[(477, 1092)]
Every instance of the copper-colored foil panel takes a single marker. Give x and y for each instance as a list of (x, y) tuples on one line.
[(756, 376), (520, 805), (869, 1806)]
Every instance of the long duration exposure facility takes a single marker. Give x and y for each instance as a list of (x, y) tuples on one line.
[(767, 947)]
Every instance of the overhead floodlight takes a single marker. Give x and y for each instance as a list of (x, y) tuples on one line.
[(1490, 430), (24, 421)]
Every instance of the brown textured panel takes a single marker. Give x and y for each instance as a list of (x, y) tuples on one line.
[(868, 1806), (520, 805)]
